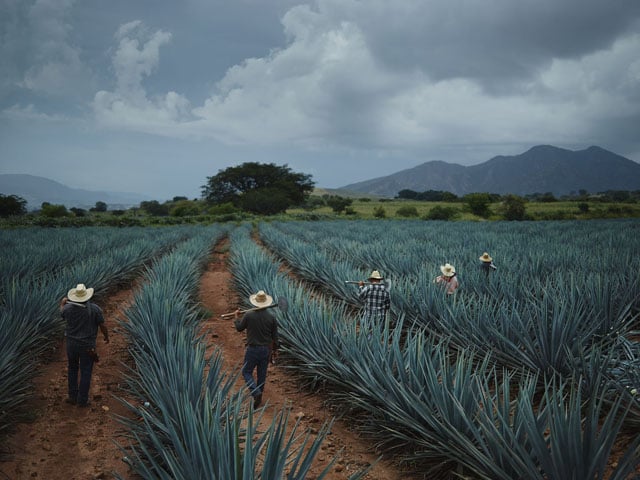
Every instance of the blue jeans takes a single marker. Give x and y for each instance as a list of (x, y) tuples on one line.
[(256, 357), (79, 361)]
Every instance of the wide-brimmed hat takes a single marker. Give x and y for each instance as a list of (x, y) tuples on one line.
[(448, 270), (261, 299), (375, 275), (80, 293), (485, 257)]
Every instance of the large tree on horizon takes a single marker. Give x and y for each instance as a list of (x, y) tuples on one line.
[(12, 205), (263, 188)]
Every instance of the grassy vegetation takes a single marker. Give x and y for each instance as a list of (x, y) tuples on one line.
[(561, 210), (360, 208)]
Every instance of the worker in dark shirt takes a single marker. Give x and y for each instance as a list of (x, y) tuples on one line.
[(262, 336), (82, 321), (486, 264)]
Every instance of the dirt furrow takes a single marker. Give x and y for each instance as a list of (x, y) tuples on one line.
[(283, 389), (66, 442)]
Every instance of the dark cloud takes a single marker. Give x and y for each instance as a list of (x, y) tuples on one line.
[(498, 42), (326, 86)]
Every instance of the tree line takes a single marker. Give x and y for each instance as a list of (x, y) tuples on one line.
[(269, 189)]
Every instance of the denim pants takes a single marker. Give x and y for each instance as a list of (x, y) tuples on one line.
[(256, 357), (79, 361)]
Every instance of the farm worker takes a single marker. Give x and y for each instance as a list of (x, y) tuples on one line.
[(82, 321), (448, 278), (262, 334), (374, 296), (486, 264)]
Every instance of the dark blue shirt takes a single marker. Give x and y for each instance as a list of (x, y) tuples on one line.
[(82, 322)]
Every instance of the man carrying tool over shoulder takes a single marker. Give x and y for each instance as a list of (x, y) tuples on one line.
[(83, 319), (374, 296), (262, 333)]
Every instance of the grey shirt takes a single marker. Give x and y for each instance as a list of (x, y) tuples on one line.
[(261, 326)]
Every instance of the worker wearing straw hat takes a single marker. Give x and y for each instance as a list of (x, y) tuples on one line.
[(448, 278), (83, 319), (374, 296), (486, 263), (262, 336)]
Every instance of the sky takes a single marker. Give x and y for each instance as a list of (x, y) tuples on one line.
[(154, 97)]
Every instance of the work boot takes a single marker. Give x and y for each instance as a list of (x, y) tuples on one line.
[(257, 400)]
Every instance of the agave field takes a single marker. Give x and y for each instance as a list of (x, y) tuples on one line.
[(530, 373)]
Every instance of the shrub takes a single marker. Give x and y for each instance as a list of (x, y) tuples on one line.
[(407, 211), (78, 212), (379, 212), (184, 208), (53, 211), (222, 209), (338, 203), (441, 213), (513, 207), (478, 204)]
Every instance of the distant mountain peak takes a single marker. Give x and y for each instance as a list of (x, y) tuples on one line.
[(541, 169), (36, 190)]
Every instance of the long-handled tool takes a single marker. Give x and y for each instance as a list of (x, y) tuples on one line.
[(282, 304), (386, 282)]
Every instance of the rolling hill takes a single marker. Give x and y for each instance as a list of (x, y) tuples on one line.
[(36, 190), (541, 169)]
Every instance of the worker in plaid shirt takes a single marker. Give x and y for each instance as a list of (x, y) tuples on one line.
[(374, 296)]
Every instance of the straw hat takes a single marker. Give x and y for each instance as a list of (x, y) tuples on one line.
[(375, 275), (485, 257), (260, 299), (80, 293), (448, 270)]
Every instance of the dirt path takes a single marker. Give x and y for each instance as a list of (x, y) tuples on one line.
[(282, 389), (64, 442)]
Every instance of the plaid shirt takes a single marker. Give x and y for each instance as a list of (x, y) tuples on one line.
[(375, 298)]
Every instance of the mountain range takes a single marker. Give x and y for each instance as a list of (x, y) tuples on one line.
[(541, 169), (36, 190)]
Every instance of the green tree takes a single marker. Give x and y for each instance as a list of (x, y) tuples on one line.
[(222, 209), (155, 208), (257, 181), (478, 203), (53, 211), (408, 194), (513, 207), (12, 205), (449, 197), (99, 207), (184, 208), (338, 203), (264, 201), (313, 202)]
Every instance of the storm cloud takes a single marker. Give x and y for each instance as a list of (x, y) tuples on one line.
[(344, 90)]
